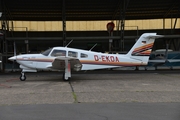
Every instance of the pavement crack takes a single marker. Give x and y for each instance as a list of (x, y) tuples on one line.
[(73, 93)]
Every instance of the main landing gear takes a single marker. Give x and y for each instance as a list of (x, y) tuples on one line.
[(22, 77), (67, 71), (65, 77)]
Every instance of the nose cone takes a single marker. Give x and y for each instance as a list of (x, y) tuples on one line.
[(12, 58)]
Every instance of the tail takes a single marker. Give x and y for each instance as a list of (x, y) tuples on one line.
[(143, 47)]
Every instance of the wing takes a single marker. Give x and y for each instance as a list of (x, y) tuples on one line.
[(157, 61), (163, 60), (59, 63)]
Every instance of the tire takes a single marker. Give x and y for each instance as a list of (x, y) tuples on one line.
[(22, 78), (66, 79)]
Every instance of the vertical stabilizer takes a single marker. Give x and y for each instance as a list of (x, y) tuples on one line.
[(143, 47)]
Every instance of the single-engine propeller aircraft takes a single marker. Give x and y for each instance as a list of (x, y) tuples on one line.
[(67, 59)]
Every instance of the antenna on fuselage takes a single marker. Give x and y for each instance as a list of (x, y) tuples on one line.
[(93, 47), (69, 43)]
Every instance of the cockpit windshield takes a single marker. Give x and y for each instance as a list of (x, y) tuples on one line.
[(46, 52)]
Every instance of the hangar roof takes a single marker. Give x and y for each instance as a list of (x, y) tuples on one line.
[(51, 10)]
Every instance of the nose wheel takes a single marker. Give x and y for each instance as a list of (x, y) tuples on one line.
[(22, 77)]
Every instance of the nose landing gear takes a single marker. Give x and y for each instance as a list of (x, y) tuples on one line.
[(22, 77)]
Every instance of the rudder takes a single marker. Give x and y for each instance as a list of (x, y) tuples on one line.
[(143, 47)]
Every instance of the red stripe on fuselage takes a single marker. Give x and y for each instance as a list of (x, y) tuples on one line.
[(109, 63)]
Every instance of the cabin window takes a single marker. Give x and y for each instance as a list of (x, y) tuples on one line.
[(56, 53), (72, 54), (84, 55), (46, 53)]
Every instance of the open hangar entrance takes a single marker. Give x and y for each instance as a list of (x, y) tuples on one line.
[(69, 10)]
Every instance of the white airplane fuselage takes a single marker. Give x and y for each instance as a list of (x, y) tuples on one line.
[(90, 60)]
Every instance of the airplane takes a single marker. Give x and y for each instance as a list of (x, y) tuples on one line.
[(67, 59), (160, 57)]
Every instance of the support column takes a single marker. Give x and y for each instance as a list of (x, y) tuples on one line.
[(164, 26), (1, 38), (110, 42), (122, 18), (6, 15), (64, 24), (27, 41), (3, 41)]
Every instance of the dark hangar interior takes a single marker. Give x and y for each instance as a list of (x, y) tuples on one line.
[(74, 10), (84, 10)]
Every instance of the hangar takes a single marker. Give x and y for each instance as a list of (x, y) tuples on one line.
[(66, 11)]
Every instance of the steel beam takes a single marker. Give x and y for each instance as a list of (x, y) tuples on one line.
[(69, 38), (81, 38), (64, 24)]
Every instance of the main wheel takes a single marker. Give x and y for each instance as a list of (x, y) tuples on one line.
[(65, 78), (22, 77)]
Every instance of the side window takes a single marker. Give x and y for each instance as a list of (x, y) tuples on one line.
[(84, 55), (46, 53), (72, 54), (56, 53)]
